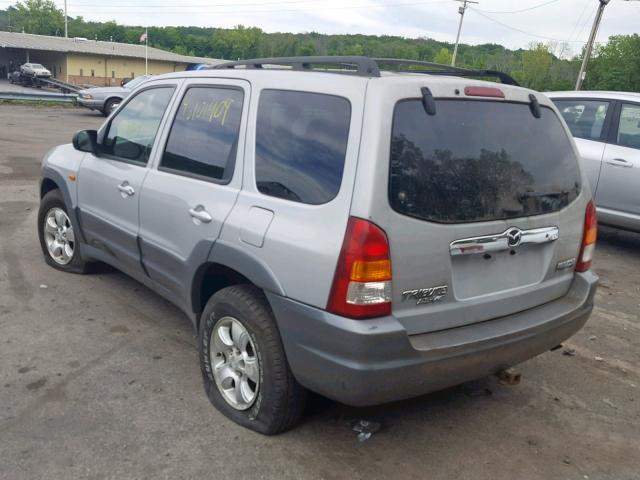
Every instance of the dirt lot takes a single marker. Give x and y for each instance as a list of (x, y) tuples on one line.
[(99, 377)]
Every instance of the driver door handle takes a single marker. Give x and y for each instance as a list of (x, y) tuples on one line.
[(200, 214), (126, 189), (620, 162)]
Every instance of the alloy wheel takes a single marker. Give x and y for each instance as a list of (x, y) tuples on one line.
[(234, 363), (59, 236)]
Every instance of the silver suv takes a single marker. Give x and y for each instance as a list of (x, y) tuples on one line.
[(364, 234)]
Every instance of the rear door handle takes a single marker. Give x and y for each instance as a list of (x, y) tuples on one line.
[(620, 162), (126, 190), (200, 214)]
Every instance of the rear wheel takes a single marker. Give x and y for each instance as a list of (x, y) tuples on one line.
[(244, 368), (58, 238)]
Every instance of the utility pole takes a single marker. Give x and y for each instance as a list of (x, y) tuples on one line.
[(461, 11), (592, 38), (66, 30)]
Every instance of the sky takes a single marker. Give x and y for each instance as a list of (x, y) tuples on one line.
[(508, 22)]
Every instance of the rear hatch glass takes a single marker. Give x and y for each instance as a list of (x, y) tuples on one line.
[(474, 173), (477, 161)]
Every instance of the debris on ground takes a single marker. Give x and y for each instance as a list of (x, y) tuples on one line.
[(478, 392), (569, 352), (606, 401), (365, 429), (509, 376), (44, 286), (592, 337), (599, 359)]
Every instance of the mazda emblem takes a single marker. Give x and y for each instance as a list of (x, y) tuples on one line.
[(514, 236)]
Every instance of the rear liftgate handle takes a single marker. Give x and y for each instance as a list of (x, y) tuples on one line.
[(200, 215)]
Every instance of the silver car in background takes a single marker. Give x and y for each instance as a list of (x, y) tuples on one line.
[(107, 99), (606, 128)]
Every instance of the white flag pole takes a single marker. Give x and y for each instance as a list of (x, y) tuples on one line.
[(146, 52)]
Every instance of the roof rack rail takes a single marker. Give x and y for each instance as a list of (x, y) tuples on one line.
[(362, 66), (439, 69)]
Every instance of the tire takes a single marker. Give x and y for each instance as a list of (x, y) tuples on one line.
[(278, 400), (110, 105), (69, 259)]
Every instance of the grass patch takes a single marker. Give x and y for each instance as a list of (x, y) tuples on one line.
[(38, 103)]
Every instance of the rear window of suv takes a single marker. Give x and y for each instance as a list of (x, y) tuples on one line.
[(478, 161)]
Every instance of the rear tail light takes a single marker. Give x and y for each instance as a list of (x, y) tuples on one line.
[(589, 236), (362, 282)]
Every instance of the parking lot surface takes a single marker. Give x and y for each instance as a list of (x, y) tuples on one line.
[(99, 377)]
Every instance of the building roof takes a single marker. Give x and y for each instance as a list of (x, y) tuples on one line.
[(95, 47)]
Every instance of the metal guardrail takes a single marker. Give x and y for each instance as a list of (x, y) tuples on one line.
[(39, 97)]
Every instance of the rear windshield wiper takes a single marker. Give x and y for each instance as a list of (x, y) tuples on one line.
[(544, 194)]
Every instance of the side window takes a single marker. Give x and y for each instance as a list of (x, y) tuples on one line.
[(204, 137), (132, 131), (585, 118), (629, 128), (301, 141)]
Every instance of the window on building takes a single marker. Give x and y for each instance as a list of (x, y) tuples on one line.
[(204, 136), (81, 73), (93, 72), (301, 142), (113, 74), (132, 75)]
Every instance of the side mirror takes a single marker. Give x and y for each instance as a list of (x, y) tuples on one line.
[(86, 141)]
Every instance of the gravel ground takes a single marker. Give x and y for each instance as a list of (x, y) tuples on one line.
[(99, 377)]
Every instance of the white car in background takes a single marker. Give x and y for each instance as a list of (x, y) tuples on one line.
[(606, 128), (34, 70)]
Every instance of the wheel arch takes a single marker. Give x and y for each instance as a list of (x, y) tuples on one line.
[(51, 180), (229, 265), (46, 185)]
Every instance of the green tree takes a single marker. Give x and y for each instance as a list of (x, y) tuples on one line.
[(616, 65), (443, 57), (41, 17), (536, 63)]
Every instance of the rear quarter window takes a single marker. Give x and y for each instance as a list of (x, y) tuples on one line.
[(479, 161), (301, 143)]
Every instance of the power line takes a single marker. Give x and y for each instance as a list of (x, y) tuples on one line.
[(522, 31), (575, 27), (180, 8), (172, 4), (522, 10)]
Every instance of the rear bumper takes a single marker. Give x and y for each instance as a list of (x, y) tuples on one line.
[(369, 362)]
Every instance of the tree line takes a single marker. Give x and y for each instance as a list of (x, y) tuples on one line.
[(541, 66)]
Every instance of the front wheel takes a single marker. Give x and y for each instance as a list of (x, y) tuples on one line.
[(110, 106), (244, 367), (58, 239)]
